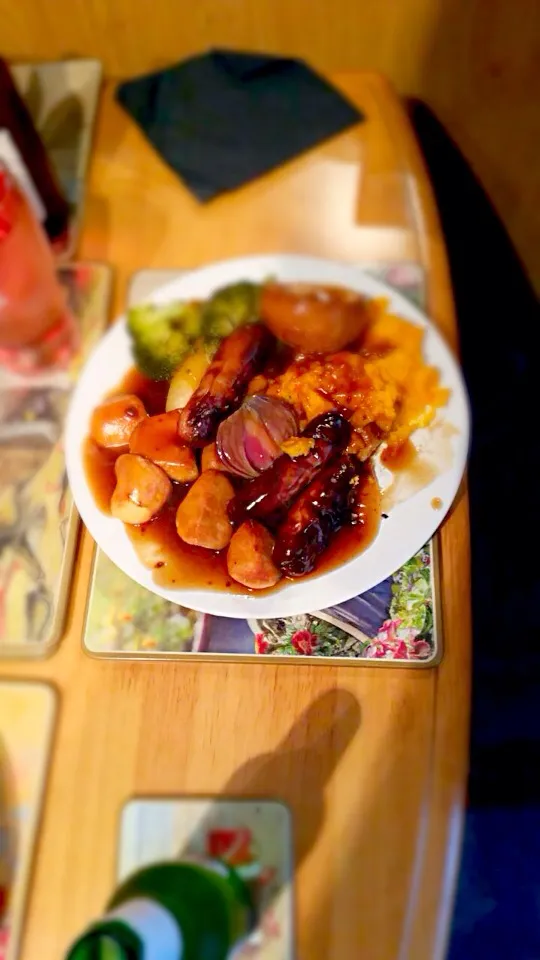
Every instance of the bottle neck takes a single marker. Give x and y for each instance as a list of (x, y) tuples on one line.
[(139, 929)]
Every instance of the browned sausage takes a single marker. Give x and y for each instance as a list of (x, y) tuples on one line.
[(319, 511), (269, 496), (239, 357)]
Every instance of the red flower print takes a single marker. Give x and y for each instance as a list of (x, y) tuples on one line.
[(261, 643), (304, 641), (400, 651), (270, 925), (377, 649), (421, 649)]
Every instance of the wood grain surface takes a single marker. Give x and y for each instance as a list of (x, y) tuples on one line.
[(475, 62), (371, 761)]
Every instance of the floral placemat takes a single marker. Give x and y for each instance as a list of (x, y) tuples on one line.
[(62, 98), (394, 622), (27, 712), (254, 836), (38, 524)]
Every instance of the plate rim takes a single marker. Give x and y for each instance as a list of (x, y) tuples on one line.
[(283, 602)]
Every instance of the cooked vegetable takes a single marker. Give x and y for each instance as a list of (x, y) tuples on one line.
[(249, 558), (312, 318), (211, 461), (297, 446), (156, 438), (269, 496), (231, 307), (239, 357), (249, 440), (114, 421), (189, 375), (201, 518), (162, 335), (142, 489)]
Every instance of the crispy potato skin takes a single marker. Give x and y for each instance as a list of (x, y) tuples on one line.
[(249, 558), (313, 319), (114, 421), (142, 489), (201, 518), (156, 438), (210, 459)]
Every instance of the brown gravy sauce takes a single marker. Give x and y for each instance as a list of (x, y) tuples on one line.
[(176, 564), (401, 456)]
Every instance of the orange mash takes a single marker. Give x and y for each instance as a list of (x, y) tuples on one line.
[(385, 381)]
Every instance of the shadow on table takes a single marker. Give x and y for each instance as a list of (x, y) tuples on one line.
[(309, 753), (297, 772)]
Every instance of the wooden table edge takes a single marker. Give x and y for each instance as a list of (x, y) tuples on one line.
[(436, 869)]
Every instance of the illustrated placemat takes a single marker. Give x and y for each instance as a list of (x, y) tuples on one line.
[(395, 622), (253, 836), (62, 98), (27, 713), (38, 524)]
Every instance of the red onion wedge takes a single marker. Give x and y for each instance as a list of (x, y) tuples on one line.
[(249, 440)]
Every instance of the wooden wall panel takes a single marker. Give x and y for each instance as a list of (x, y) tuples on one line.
[(481, 75), (135, 35), (476, 62)]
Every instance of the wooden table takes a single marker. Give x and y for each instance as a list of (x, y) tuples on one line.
[(371, 761)]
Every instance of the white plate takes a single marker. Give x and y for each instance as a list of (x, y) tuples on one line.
[(409, 524)]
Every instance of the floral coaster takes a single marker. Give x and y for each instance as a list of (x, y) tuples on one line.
[(38, 525), (27, 713), (394, 622), (254, 836)]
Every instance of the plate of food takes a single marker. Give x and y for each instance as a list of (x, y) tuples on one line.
[(269, 436)]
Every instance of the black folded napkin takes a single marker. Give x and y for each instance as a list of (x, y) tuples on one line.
[(223, 118)]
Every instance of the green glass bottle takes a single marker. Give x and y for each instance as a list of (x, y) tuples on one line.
[(178, 910)]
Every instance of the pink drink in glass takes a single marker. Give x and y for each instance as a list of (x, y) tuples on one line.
[(36, 328)]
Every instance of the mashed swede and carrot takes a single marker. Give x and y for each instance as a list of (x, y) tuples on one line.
[(385, 381)]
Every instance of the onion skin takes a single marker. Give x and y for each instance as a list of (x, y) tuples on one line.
[(230, 446), (248, 441), (268, 497)]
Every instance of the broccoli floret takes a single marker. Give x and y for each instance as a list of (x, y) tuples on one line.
[(231, 307), (162, 335)]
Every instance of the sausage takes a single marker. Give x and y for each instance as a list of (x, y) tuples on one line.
[(239, 357), (269, 496), (142, 489), (157, 439), (249, 558), (320, 510), (201, 518)]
